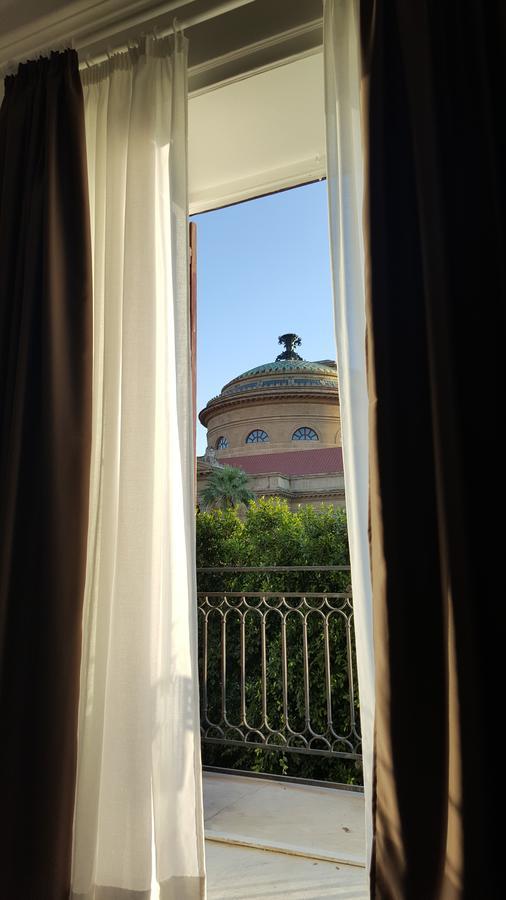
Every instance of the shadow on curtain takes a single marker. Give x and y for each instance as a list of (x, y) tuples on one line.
[(45, 434), (435, 85)]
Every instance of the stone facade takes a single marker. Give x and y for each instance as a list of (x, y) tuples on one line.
[(279, 418), (262, 412), (306, 490)]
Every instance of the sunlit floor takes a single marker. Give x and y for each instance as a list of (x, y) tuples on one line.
[(313, 840)]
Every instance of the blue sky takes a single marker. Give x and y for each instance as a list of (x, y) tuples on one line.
[(262, 269)]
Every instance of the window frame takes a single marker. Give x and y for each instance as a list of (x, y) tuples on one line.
[(257, 440), (305, 436)]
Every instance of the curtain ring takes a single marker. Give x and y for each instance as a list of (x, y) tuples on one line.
[(177, 30)]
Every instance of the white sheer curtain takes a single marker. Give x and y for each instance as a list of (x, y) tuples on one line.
[(341, 36), (138, 830)]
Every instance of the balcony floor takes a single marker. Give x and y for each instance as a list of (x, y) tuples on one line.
[(267, 840)]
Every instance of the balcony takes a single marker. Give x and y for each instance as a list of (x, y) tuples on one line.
[(279, 691)]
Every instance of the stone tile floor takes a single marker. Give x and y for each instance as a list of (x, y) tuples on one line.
[(267, 840)]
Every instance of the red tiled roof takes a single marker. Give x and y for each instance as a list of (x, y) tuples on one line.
[(321, 461)]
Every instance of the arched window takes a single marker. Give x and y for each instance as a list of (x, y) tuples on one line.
[(305, 434), (257, 437), (222, 443)]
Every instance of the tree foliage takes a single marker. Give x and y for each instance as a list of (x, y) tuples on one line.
[(269, 534), (226, 488)]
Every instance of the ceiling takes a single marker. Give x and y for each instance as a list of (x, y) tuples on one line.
[(260, 134), (257, 34), (13, 14), (256, 121)]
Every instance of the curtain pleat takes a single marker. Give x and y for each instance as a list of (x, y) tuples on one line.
[(45, 432), (138, 822), (435, 85), (341, 45)]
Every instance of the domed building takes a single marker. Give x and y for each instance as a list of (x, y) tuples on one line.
[(280, 423)]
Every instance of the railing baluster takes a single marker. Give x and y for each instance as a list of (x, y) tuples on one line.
[(243, 667), (205, 665), (349, 656), (307, 699), (284, 667), (328, 678), (224, 667), (310, 740), (265, 723)]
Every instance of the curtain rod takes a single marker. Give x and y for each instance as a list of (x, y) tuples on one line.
[(84, 19), (214, 13), (143, 17), (81, 41)]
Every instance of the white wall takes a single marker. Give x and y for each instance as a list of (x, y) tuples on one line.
[(259, 134)]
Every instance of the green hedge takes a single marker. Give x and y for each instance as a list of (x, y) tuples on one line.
[(269, 534)]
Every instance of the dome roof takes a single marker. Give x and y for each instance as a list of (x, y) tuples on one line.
[(286, 374), (280, 366), (283, 374)]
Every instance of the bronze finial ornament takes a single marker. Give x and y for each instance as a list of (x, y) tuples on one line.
[(290, 341)]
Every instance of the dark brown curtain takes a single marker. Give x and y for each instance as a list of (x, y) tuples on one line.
[(435, 110), (45, 424)]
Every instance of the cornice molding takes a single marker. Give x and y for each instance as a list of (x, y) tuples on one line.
[(78, 23), (253, 59), (275, 40), (285, 493), (84, 23), (218, 404)]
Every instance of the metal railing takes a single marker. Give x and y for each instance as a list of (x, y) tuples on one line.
[(277, 667)]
